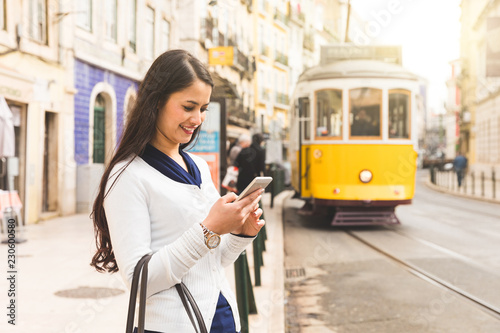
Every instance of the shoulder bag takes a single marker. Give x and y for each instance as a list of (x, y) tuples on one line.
[(183, 291)]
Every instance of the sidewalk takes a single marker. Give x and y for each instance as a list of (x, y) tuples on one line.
[(55, 259), (473, 187)]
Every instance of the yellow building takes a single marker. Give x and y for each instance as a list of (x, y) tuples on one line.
[(467, 79), (288, 36), (271, 80)]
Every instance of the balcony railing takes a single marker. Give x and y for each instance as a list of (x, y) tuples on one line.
[(309, 42), (242, 60), (241, 114), (301, 17), (264, 50), (264, 95), (238, 114), (231, 41), (281, 58), (282, 98), (248, 3), (281, 17), (222, 39), (207, 26)]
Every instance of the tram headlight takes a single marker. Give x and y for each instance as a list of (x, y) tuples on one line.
[(365, 176), (317, 153)]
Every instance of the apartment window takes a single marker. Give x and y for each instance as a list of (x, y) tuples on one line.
[(2, 15), (263, 6), (165, 35), (110, 19), (132, 39), (150, 33), (215, 28), (37, 28), (84, 15)]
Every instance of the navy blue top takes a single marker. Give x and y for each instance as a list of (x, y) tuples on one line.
[(223, 321), (170, 168)]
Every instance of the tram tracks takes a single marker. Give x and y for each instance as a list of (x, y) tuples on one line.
[(427, 276)]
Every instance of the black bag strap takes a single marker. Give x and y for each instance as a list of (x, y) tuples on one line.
[(186, 297), (182, 290), (142, 265)]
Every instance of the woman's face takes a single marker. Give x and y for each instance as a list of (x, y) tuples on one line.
[(183, 112)]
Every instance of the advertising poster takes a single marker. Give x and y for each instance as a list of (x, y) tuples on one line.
[(207, 146)]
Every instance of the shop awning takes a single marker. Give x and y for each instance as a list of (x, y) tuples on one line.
[(223, 88)]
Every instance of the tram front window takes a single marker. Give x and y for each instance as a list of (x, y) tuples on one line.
[(328, 113), (365, 110), (399, 114)]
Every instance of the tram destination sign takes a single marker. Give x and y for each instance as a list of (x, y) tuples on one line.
[(386, 53)]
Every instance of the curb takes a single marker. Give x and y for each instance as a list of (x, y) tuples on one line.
[(458, 194), (270, 295)]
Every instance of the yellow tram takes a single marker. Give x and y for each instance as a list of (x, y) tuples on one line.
[(353, 140)]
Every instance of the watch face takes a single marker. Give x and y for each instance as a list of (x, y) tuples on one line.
[(213, 241)]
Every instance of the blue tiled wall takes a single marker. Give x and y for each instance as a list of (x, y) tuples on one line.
[(86, 77)]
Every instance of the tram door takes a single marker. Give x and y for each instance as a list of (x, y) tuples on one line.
[(304, 135)]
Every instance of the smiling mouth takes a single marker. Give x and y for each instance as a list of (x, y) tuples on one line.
[(189, 130)]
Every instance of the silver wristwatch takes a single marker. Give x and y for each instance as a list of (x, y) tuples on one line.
[(212, 240)]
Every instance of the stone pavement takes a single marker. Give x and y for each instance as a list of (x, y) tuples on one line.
[(59, 292)]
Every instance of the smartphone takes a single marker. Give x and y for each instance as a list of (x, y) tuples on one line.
[(257, 182)]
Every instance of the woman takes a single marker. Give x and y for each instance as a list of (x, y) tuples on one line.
[(156, 198)]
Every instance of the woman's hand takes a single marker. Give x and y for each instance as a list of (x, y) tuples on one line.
[(252, 225), (238, 217)]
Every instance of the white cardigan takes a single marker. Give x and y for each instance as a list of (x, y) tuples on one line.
[(148, 212)]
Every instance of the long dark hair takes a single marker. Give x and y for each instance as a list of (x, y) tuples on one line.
[(171, 72)]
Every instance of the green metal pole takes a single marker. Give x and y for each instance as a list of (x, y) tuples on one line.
[(244, 291), (257, 262), (263, 231)]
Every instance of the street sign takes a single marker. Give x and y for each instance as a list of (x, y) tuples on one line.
[(223, 55)]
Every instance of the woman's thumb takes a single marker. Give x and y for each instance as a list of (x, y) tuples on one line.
[(229, 197)]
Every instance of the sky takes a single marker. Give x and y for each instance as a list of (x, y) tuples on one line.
[(428, 30)]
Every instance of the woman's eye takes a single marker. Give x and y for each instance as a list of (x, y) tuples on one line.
[(205, 109), (188, 108)]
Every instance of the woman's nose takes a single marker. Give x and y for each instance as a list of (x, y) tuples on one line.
[(197, 117)]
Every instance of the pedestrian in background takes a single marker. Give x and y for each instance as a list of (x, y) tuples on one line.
[(155, 197), (232, 171), (460, 165), (251, 162), (243, 142)]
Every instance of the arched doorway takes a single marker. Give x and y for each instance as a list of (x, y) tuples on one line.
[(99, 143)]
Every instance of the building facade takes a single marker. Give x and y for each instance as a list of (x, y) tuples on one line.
[(452, 117), (114, 44), (34, 64), (272, 77), (479, 83), (70, 71)]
